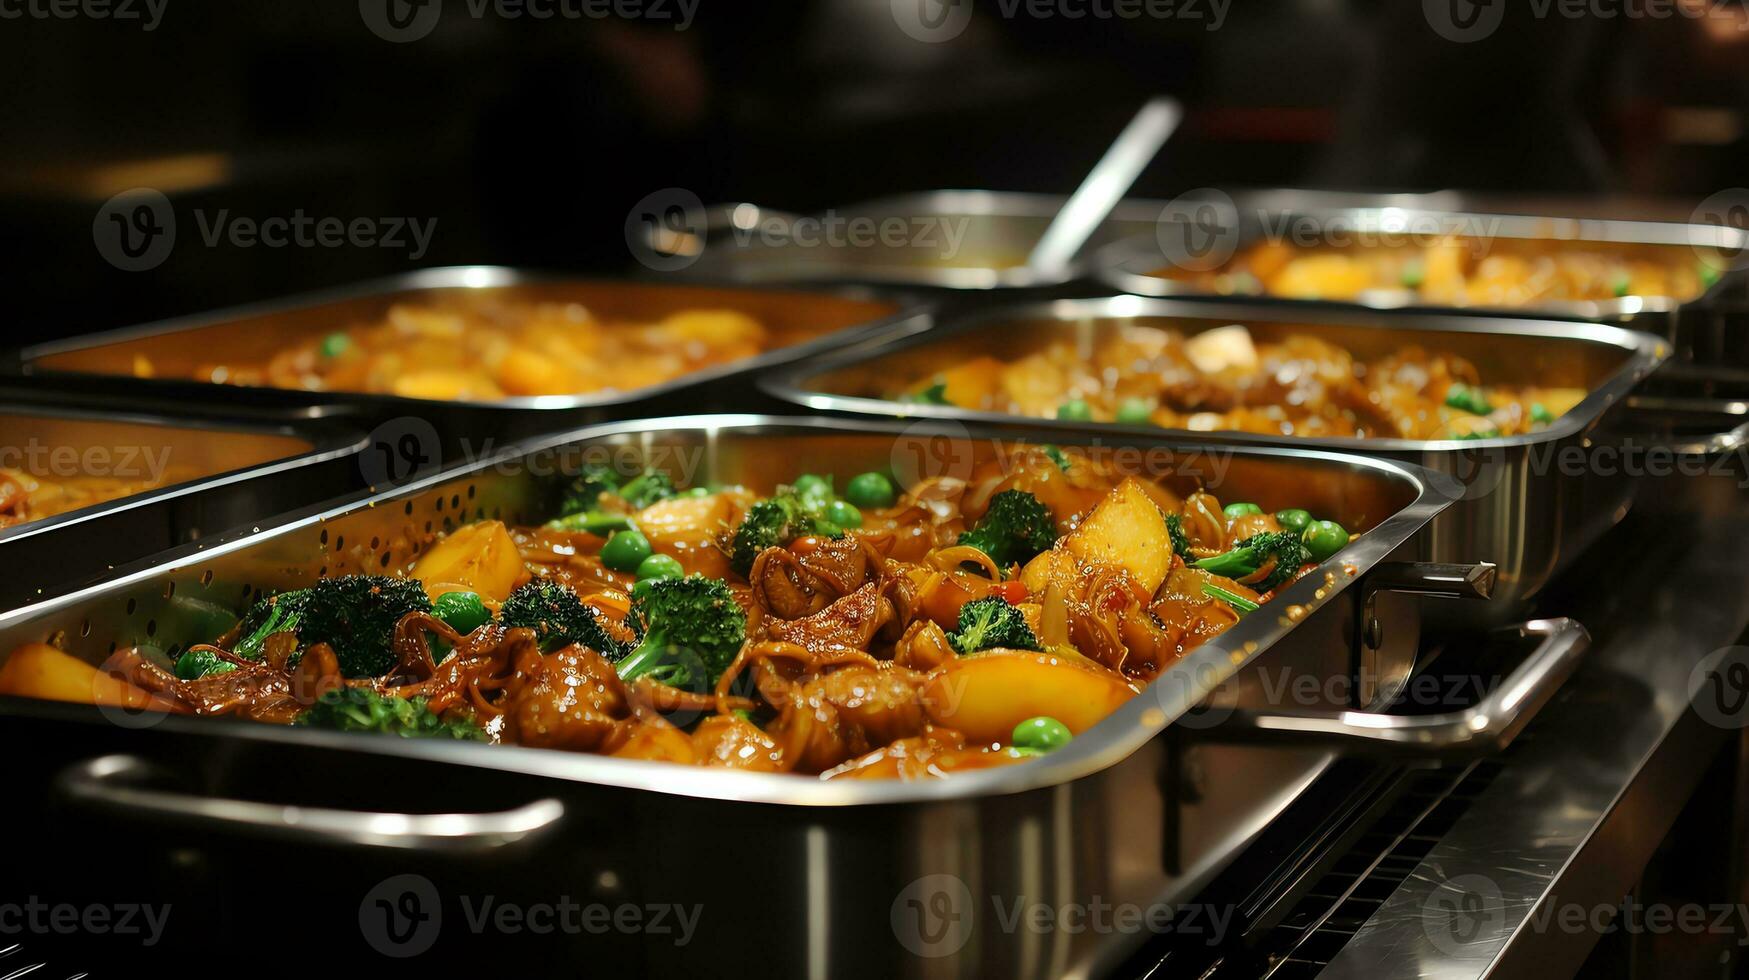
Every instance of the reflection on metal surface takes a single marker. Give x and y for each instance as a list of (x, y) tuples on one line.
[(1575, 813)]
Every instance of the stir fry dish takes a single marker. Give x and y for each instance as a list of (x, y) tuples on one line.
[(866, 632), (486, 349), (1225, 380), (25, 496), (1459, 271)]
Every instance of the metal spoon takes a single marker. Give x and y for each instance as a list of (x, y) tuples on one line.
[(1106, 184)]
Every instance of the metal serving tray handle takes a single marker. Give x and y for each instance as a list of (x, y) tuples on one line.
[(1489, 725), (1704, 444), (115, 782)]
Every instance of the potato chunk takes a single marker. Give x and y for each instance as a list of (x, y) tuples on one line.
[(1126, 530), (478, 558)]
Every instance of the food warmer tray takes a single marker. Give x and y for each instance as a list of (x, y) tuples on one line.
[(231, 470), (807, 321), (1129, 265), (1529, 503), (789, 875)]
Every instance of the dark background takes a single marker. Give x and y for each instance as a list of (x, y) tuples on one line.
[(529, 140)]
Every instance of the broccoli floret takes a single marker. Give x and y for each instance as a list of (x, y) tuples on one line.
[(360, 709), (648, 487), (990, 623), (1180, 542), (1015, 528), (771, 523), (583, 491), (275, 614), (356, 616), (692, 630), (353, 614), (558, 617), (1283, 548)]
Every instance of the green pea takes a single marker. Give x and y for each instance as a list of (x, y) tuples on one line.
[(1709, 274), (871, 490), (625, 551), (1293, 519), (1414, 274), (335, 344), (811, 484), (1075, 410), (1041, 734), (1621, 286), (1240, 510), (842, 514), (1465, 398), (196, 664), (1324, 538), (1540, 413), (463, 611), (1135, 411), (659, 566)]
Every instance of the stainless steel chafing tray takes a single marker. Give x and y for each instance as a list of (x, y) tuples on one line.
[(954, 239), (1529, 503), (201, 476), (800, 321), (788, 875), (1228, 227)]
